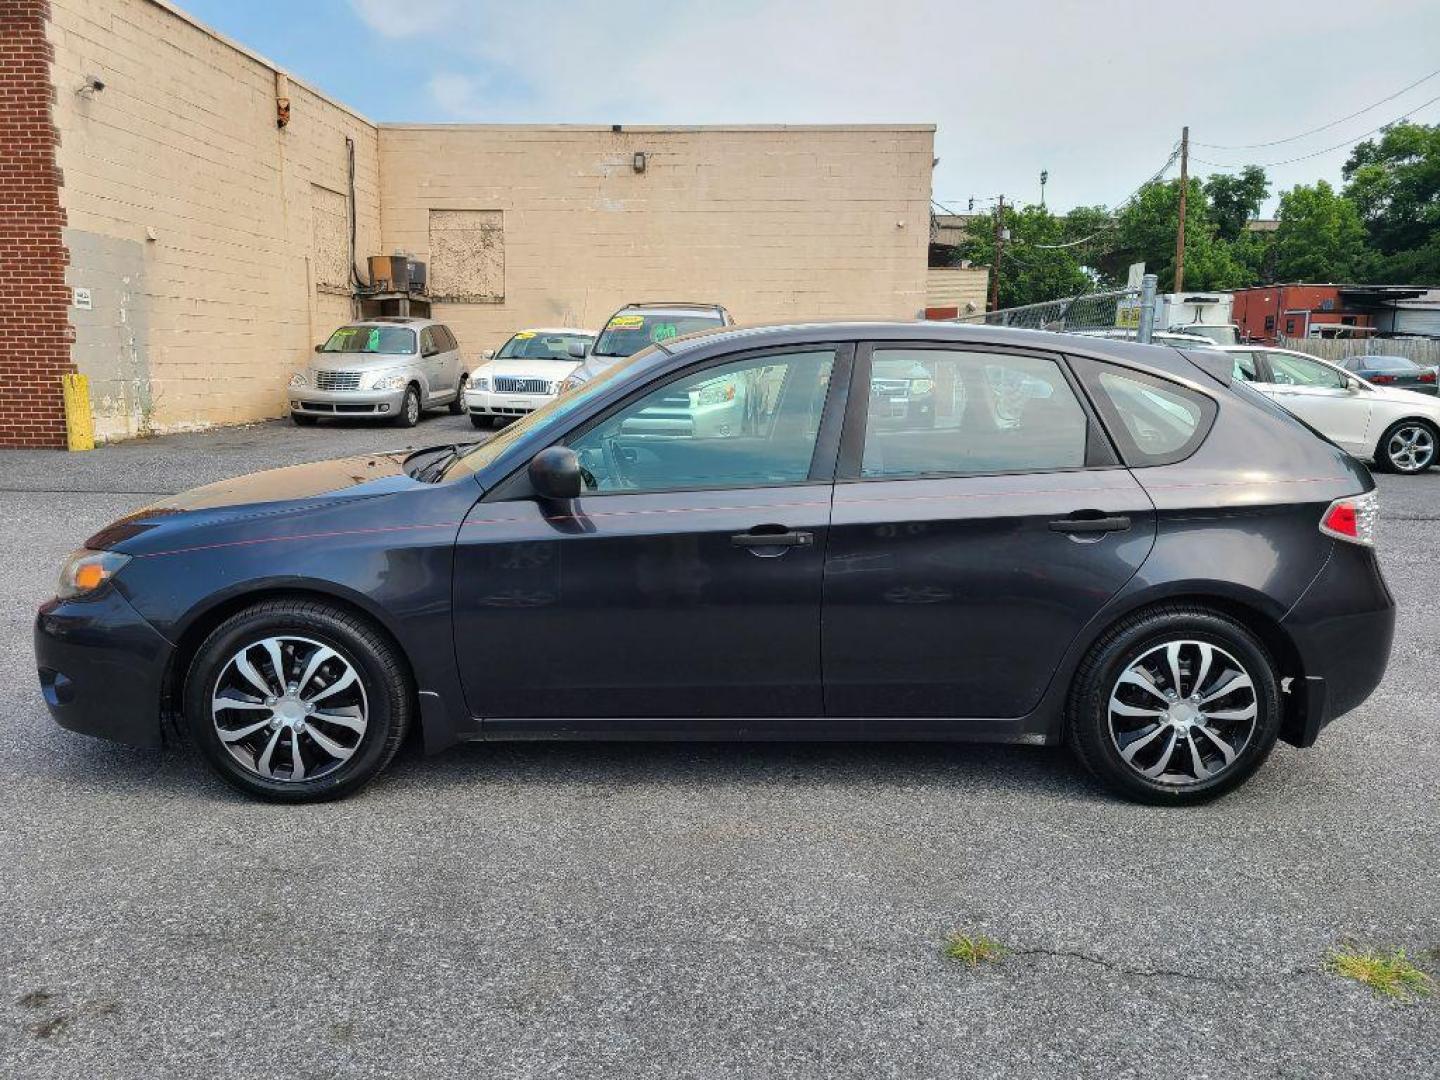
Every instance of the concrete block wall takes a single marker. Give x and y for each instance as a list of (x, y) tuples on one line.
[(773, 222), (33, 327), (194, 220)]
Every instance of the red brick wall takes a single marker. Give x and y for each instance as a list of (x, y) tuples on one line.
[(34, 299)]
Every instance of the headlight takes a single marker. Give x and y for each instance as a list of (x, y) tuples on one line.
[(480, 383), (570, 382), (298, 380), (393, 381), (714, 394), (86, 570)]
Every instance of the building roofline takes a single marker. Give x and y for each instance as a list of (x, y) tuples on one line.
[(651, 129), (249, 53)]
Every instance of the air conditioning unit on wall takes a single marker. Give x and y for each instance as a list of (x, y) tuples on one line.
[(396, 273)]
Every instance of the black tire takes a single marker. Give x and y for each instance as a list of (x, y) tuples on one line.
[(458, 405), (380, 671), (303, 419), (1128, 642), (410, 409), (479, 421), (1385, 453)]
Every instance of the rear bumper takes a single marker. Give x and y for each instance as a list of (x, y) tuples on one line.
[(1342, 629), (101, 668)]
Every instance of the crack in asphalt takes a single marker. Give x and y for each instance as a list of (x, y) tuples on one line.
[(1158, 973)]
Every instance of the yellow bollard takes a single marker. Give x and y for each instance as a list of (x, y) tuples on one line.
[(79, 423)]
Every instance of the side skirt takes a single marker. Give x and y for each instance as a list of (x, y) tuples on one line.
[(1030, 730)]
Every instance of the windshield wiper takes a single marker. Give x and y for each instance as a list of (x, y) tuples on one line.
[(433, 470)]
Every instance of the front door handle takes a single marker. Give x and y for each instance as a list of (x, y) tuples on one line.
[(776, 536), (1078, 524)]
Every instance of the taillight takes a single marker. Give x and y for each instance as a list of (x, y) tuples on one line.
[(1427, 376), (1382, 379), (1352, 518)]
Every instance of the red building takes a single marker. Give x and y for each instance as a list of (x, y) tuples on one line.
[(1269, 312)]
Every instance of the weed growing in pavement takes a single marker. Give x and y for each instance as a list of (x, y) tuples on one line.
[(1392, 976), (973, 950)]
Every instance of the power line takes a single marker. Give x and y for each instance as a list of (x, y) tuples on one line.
[(1328, 149), (1322, 127), (1174, 154)]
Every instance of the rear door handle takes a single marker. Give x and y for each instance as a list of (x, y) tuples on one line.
[(1116, 523), (772, 536)]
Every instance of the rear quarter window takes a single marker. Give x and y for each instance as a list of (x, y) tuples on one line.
[(1152, 420)]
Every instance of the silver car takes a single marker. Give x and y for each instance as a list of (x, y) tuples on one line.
[(387, 367)]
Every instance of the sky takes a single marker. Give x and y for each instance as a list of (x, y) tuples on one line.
[(1095, 92)]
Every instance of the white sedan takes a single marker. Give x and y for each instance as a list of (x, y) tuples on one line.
[(525, 374), (1396, 430)]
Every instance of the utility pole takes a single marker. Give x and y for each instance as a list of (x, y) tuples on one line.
[(1184, 190), (999, 251)]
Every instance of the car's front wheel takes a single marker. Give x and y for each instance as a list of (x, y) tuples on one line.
[(409, 414), (297, 700), (1407, 447), (303, 419), (479, 421), (1175, 705)]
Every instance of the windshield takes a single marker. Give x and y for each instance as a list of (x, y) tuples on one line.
[(629, 332), (553, 412), (534, 345), (1394, 364), (385, 340), (1221, 334)]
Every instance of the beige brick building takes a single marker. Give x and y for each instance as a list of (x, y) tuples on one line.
[(213, 245)]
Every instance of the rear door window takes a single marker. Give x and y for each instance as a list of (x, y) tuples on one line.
[(945, 412), (1290, 370)]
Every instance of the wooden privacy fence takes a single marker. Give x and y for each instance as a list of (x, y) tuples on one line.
[(1423, 351)]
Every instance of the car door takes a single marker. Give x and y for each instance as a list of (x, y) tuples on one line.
[(450, 359), (685, 581), (1321, 396), (980, 519), (431, 362)]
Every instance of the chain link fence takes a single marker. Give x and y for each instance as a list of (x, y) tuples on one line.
[(1117, 313)]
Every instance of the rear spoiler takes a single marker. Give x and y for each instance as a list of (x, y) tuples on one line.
[(1214, 363)]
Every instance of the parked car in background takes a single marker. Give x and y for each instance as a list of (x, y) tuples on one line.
[(1070, 541), (1397, 371), (1396, 430), (640, 325), (524, 373), (393, 368)]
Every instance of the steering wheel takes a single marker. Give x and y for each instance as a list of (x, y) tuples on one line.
[(612, 463)]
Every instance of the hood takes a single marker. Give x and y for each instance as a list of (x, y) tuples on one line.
[(273, 492), (531, 367), (361, 361)]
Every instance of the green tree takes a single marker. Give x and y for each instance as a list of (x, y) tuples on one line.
[(1145, 232), (1034, 266), (1320, 238), (1234, 200), (1394, 184)]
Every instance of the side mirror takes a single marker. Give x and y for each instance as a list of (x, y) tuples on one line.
[(487, 354), (320, 348), (1353, 384), (576, 349), (555, 473)]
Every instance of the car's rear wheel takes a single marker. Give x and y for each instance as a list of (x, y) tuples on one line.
[(297, 701), (1407, 447), (458, 405), (409, 414), (1175, 705), (303, 419)]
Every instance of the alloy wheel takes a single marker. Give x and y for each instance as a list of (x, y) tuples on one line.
[(1182, 713), (289, 708), (1411, 448), (412, 408)]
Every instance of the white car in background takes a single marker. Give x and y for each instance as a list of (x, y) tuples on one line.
[(525, 373), (1396, 430)]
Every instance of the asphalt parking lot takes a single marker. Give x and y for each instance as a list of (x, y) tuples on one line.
[(695, 911)]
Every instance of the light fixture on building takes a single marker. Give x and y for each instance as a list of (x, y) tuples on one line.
[(92, 85), (640, 158)]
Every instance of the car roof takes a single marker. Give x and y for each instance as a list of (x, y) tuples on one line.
[(1167, 360), (554, 330), (390, 320), (676, 307)]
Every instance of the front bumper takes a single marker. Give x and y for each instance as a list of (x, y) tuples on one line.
[(490, 403), (311, 402), (1342, 629), (102, 668)]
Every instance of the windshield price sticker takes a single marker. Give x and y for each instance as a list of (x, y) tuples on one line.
[(626, 322)]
